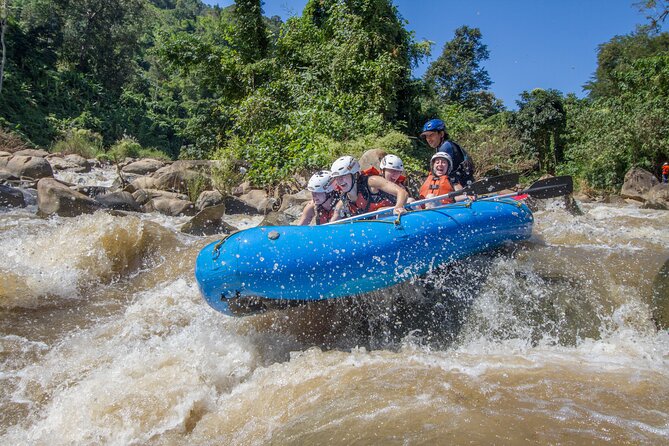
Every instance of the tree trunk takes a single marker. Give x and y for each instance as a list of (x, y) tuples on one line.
[(3, 26)]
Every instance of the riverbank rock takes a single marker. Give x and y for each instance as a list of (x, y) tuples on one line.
[(209, 198), (255, 200), (179, 180), (29, 166), (637, 182), (55, 197), (32, 152), (657, 197), (81, 164), (173, 207), (143, 166), (293, 204), (146, 183), (208, 221), (143, 196), (11, 197), (372, 158), (277, 219), (119, 200)]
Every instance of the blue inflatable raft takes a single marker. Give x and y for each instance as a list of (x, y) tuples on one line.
[(274, 266)]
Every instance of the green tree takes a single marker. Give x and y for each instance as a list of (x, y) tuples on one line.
[(541, 122), (618, 54), (3, 29), (250, 31), (103, 38), (610, 135), (457, 73), (657, 11)]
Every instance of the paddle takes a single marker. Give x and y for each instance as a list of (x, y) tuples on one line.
[(482, 186), (547, 188)]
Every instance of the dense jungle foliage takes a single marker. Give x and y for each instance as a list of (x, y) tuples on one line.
[(180, 79)]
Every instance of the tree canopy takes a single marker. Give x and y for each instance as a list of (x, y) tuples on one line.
[(197, 81)]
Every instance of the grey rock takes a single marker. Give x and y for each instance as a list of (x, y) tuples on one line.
[(55, 197), (120, 200), (637, 182), (208, 198), (29, 166), (143, 166), (208, 221), (11, 197)]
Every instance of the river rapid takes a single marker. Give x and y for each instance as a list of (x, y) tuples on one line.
[(104, 339)]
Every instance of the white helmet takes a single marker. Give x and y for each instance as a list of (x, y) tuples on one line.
[(345, 165), (320, 182), (392, 162), (445, 156)]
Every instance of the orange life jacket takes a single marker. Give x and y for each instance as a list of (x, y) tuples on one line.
[(437, 186), (323, 215), (366, 201), (665, 169)]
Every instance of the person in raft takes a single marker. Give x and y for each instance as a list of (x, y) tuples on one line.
[(462, 167), (392, 169), (665, 172), (361, 193), (323, 199), (438, 181)]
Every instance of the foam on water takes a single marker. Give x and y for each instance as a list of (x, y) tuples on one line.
[(149, 371), (98, 176), (546, 343), (59, 257), (606, 227)]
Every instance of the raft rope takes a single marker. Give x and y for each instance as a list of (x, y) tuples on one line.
[(216, 252)]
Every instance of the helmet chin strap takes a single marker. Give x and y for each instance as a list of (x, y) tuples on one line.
[(353, 183)]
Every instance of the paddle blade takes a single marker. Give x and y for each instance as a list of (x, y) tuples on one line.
[(551, 187), (493, 184)]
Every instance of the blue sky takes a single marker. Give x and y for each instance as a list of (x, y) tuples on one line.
[(532, 43)]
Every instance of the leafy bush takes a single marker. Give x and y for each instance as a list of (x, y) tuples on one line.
[(128, 147), (227, 173), (196, 186), (496, 150), (78, 141)]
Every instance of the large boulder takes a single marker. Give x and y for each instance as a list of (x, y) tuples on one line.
[(81, 164), (208, 221), (143, 166), (637, 182), (58, 163), (293, 204), (4, 159), (120, 201), (29, 166), (209, 198), (179, 180), (372, 158), (657, 197), (32, 152), (201, 166), (170, 206), (242, 189), (143, 196), (145, 183), (11, 197), (233, 205), (277, 219), (259, 200), (55, 197)]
